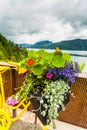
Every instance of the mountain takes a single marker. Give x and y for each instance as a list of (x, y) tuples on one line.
[(24, 45), (41, 44), (75, 44)]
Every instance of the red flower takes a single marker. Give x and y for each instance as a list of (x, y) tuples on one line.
[(30, 62)]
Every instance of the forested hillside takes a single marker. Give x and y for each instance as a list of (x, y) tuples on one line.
[(74, 44), (10, 51)]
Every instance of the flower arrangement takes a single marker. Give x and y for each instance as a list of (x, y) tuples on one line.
[(47, 78)]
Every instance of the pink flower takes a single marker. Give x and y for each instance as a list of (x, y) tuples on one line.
[(49, 75), (11, 101)]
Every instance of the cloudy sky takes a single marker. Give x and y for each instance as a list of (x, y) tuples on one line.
[(29, 21)]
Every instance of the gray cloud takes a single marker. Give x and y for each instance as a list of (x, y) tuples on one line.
[(34, 20), (73, 12)]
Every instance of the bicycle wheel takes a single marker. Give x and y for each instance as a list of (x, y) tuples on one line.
[(5, 120)]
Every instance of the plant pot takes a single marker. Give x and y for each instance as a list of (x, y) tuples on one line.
[(36, 104)]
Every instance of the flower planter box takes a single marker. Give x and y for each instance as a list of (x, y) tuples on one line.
[(48, 74), (36, 104)]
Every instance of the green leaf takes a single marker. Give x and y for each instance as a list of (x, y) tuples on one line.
[(37, 69), (66, 57), (58, 61), (32, 54)]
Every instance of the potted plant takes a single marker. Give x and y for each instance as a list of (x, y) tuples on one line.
[(47, 82)]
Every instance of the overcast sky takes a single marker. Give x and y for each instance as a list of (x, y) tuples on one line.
[(29, 21)]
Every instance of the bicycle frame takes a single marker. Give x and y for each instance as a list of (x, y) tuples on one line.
[(4, 108)]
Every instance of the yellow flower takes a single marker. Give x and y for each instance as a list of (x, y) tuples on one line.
[(57, 49), (21, 70), (39, 76)]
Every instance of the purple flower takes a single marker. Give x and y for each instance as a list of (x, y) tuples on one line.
[(49, 75), (11, 101), (73, 80), (50, 70), (55, 71)]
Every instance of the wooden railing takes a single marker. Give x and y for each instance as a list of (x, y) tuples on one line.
[(76, 110)]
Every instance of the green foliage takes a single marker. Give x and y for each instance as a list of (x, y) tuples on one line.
[(10, 51), (2, 58), (43, 59), (58, 61), (2, 54), (82, 66), (37, 69)]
